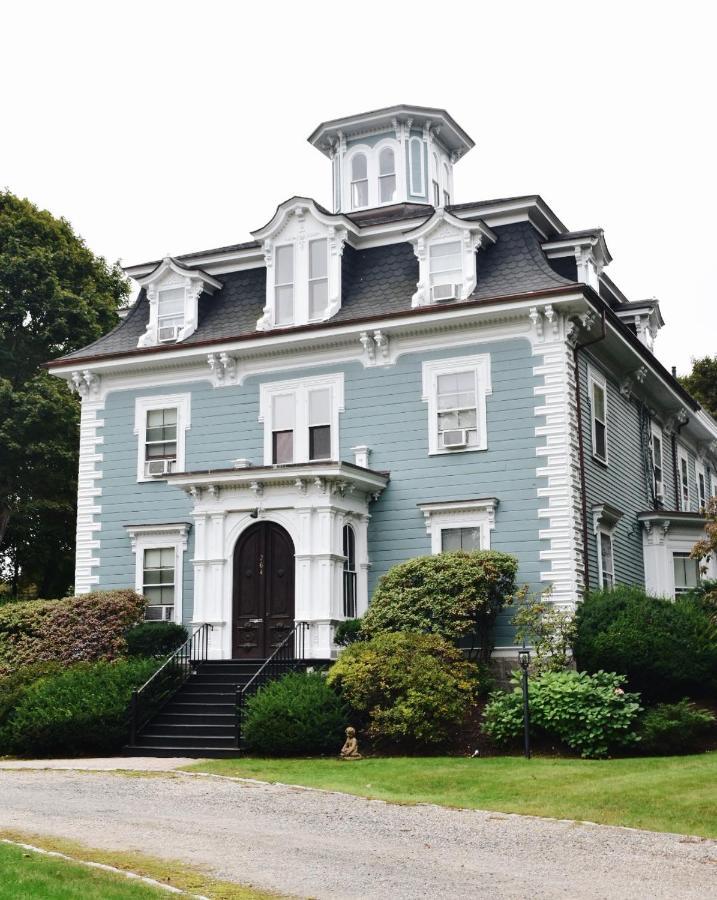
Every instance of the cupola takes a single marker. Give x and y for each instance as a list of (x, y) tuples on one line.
[(401, 154)]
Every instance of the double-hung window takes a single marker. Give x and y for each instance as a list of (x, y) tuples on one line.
[(460, 539), (158, 582), (435, 184), (598, 414), (284, 285), (160, 445), (349, 539), (684, 477), (445, 267), (456, 390), (657, 471), (701, 478), (606, 560), (686, 571), (318, 278), (301, 419), (386, 175), (359, 181), (170, 313)]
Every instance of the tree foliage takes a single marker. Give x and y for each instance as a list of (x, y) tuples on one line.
[(55, 297), (702, 382)]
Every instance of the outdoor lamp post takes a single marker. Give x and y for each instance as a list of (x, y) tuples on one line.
[(524, 660)]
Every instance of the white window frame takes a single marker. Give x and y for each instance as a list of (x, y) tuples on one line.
[(701, 470), (279, 284), (480, 365), (596, 378), (600, 534), (682, 554), (142, 405), (301, 388), (443, 516), (173, 535), (656, 432), (417, 189), (683, 456), (373, 173)]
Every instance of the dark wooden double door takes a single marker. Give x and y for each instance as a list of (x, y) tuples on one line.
[(263, 601)]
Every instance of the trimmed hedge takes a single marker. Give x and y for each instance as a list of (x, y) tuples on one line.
[(297, 715), (155, 638), (450, 594), (82, 710), (87, 627), (667, 649), (14, 685), (673, 728), (411, 690)]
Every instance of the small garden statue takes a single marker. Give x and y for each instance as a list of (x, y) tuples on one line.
[(350, 748)]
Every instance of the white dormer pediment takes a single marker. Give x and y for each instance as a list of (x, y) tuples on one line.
[(445, 247), (173, 293), (302, 247)]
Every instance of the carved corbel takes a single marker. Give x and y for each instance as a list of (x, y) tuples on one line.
[(215, 367), (229, 366), (195, 492), (300, 485), (381, 341), (367, 342), (588, 320), (675, 421), (213, 491), (553, 319), (257, 488), (536, 317)]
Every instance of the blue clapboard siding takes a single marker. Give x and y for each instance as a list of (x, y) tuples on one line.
[(383, 409)]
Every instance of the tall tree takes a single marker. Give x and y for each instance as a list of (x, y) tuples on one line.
[(55, 297), (702, 382)]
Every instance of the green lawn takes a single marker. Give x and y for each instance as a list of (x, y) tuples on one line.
[(676, 793), (27, 874)]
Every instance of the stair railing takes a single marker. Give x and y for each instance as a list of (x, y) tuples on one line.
[(168, 678), (290, 651)]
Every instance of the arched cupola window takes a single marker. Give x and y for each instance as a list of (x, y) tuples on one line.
[(359, 181), (387, 175)]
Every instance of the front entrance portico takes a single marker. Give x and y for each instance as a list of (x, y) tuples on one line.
[(311, 503)]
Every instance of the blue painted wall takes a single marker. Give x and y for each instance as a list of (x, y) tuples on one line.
[(383, 409)]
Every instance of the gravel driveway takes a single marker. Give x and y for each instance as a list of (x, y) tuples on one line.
[(324, 845)]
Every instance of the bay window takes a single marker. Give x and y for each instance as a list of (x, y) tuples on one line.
[(686, 572)]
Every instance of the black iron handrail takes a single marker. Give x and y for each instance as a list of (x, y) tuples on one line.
[(168, 678), (284, 659)]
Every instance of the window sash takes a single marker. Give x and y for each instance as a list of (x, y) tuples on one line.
[(462, 538), (598, 404), (282, 448), (657, 462), (684, 484), (161, 434), (436, 194), (159, 582), (686, 573), (284, 285), (701, 489), (457, 405), (170, 307), (607, 560), (349, 573)]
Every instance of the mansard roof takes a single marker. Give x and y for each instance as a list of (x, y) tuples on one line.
[(376, 282)]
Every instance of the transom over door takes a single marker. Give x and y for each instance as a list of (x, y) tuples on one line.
[(263, 601)]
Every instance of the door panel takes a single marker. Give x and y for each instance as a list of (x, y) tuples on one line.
[(263, 596)]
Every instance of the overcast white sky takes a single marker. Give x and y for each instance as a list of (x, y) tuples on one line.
[(166, 127)]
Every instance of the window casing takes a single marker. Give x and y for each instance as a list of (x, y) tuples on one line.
[(436, 188), (160, 424), (301, 419), (170, 313), (606, 560), (598, 415), (446, 186), (386, 175), (461, 538), (158, 583), (456, 391), (656, 451), (416, 168), (284, 285), (459, 524), (359, 181), (683, 474), (445, 270), (160, 443), (686, 572), (701, 479), (349, 575), (318, 277)]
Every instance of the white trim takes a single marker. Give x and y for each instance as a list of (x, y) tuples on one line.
[(597, 379), (480, 365), (157, 537), (600, 533), (420, 190), (142, 405), (683, 456), (701, 469), (89, 490), (656, 432), (441, 516), (300, 388)]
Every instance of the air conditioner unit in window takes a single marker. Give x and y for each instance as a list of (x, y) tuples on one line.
[(443, 292), (159, 466), (454, 440), (168, 333)]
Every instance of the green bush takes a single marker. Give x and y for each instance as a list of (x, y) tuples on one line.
[(297, 715), (411, 690), (706, 598), (87, 627), (590, 714), (673, 728), (155, 638), (14, 685), (449, 594), (82, 710), (667, 650), (347, 632)]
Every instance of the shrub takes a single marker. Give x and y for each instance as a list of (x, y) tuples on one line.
[(14, 685), (155, 638), (410, 689), (590, 714), (550, 631), (673, 728), (666, 649), (347, 632), (297, 715), (80, 710), (87, 627), (449, 594), (705, 596)]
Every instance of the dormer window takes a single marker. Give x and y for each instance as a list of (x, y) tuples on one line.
[(284, 286), (170, 314), (387, 175), (318, 278), (446, 270), (359, 181)]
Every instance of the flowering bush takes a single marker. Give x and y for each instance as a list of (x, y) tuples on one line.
[(449, 594), (86, 627), (410, 689), (591, 714)]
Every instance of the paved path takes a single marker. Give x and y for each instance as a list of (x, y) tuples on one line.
[(103, 763), (324, 845)]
